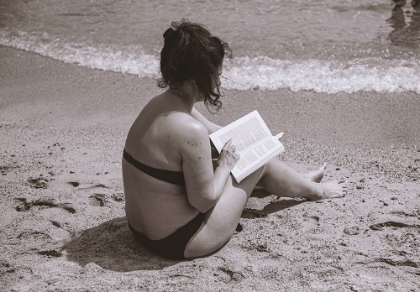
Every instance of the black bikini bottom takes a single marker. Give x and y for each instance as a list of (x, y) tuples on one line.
[(172, 246)]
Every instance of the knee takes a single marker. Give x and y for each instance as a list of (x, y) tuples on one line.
[(267, 168), (274, 166), (273, 169)]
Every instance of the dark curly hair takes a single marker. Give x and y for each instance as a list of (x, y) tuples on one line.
[(192, 54)]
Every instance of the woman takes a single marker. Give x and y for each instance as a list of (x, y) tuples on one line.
[(178, 203)]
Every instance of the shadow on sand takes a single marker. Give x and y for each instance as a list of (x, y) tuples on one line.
[(112, 246), (271, 207)]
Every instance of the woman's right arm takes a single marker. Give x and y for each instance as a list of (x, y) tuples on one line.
[(204, 185), (211, 127)]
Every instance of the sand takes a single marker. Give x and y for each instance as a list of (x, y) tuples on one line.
[(63, 228)]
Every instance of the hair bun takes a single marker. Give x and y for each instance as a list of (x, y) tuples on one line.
[(168, 32)]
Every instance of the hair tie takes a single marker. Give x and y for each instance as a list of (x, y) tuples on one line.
[(167, 33)]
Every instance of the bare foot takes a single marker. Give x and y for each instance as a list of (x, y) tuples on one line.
[(316, 175), (331, 190)]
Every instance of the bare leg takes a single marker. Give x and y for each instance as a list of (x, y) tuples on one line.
[(222, 219), (281, 180), (316, 175), (276, 178)]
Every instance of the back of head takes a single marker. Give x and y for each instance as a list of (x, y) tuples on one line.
[(192, 54)]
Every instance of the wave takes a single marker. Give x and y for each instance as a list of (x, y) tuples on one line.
[(129, 59), (242, 73), (364, 74)]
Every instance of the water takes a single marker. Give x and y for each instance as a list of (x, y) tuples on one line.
[(319, 45)]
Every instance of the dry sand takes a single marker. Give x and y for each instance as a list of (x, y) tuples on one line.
[(63, 228)]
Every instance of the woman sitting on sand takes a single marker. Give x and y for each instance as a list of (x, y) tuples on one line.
[(178, 202)]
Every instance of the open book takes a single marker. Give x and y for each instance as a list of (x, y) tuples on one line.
[(253, 140)]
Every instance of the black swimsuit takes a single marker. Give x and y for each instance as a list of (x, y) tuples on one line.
[(172, 246), (173, 177)]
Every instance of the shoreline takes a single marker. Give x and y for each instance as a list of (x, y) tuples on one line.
[(375, 118), (329, 127), (62, 219)]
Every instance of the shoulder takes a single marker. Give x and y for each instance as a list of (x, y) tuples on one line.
[(180, 131), (186, 125), (189, 136), (211, 127), (193, 132)]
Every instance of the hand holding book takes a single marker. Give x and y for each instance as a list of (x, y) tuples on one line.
[(228, 156), (254, 143)]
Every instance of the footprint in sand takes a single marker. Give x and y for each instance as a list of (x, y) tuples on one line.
[(250, 213), (101, 199), (29, 236), (98, 199), (119, 197), (74, 183), (354, 230), (39, 183), (393, 224), (311, 223), (313, 228), (5, 267), (24, 205), (51, 253), (77, 185), (4, 169)]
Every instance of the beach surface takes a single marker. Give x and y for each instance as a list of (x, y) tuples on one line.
[(62, 220)]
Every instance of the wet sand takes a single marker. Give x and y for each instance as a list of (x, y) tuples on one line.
[(62, 222)]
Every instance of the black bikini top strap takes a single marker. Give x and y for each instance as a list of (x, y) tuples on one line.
[(173, 177)]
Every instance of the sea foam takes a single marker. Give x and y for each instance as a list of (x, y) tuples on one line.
[(330, 76), (242, 73)]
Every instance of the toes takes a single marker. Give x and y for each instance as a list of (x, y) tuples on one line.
[(340, 195)]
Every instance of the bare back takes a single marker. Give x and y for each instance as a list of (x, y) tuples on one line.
[(154, 207)]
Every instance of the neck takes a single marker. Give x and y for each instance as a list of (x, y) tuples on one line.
[(187, 95)]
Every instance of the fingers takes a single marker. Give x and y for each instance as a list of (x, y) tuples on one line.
[(228, 154), (228, 146)]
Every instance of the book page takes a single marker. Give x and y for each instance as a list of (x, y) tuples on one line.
[(244, 132), (253, 154)]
